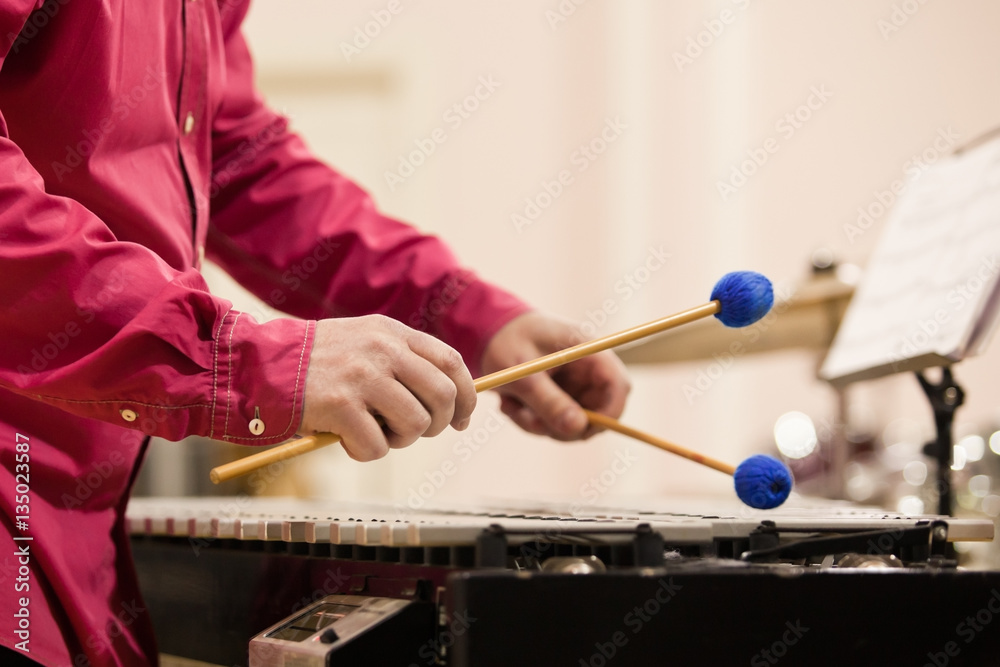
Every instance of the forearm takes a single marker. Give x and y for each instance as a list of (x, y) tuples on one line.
[(107, 330)]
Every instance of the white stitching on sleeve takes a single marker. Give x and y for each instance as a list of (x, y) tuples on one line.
[(229, 390), (215, 374)]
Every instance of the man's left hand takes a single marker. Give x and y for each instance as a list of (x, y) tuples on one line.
[(552, 403)]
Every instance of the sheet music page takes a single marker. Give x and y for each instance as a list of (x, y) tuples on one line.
[(929, 293)]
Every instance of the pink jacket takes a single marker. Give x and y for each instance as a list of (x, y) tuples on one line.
[(132, 143)]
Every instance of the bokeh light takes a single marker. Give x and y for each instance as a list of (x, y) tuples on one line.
[(795, 435)]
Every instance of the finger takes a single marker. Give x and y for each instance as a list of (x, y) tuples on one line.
[(603, 387), (361, 435), (435, 391), (523, 416), (405, 418), (449, 361), (561, 415)]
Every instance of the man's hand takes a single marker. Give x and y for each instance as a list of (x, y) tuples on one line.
[(361, 367), (550, 403)]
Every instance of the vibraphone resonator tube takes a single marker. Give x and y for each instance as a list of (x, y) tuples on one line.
[(739, 299)]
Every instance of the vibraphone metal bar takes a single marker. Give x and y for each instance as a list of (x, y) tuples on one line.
[(311, 522)]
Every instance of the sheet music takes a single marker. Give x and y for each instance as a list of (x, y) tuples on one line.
[(929, 295)]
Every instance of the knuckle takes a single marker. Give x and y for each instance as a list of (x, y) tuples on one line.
[(350, 371), (452, 362), (445, 392), (410, 423), (389, 325), (379, 383), (423, 422), (416, 422), (372, 378), (387, 350), (334, 402)]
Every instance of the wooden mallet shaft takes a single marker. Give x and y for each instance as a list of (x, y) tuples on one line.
[(615, 425), (310, 443)]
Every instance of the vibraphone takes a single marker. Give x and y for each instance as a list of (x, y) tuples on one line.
[(235, 581)]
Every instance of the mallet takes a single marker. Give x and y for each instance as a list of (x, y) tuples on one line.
[(738, 300), (761, 481)]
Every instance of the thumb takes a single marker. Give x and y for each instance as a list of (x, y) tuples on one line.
[(562, 415)]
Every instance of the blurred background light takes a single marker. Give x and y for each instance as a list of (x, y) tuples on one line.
[(795, 435)]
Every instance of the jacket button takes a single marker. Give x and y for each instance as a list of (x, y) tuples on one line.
[(189, 123), (256, 426), (128, 415)]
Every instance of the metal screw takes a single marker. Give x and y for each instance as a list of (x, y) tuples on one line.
[(950, 395)]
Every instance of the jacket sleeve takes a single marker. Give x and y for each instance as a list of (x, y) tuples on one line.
[(107, 330), (310, 242)]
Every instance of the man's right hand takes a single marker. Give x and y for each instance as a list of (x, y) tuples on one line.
[(361, 367)]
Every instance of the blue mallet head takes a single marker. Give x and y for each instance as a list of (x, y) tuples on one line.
[(744, 296), (762, 482)]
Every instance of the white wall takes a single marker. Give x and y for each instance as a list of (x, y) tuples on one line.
[(657, 184)]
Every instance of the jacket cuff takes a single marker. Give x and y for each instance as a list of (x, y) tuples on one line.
[(259, 378)]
